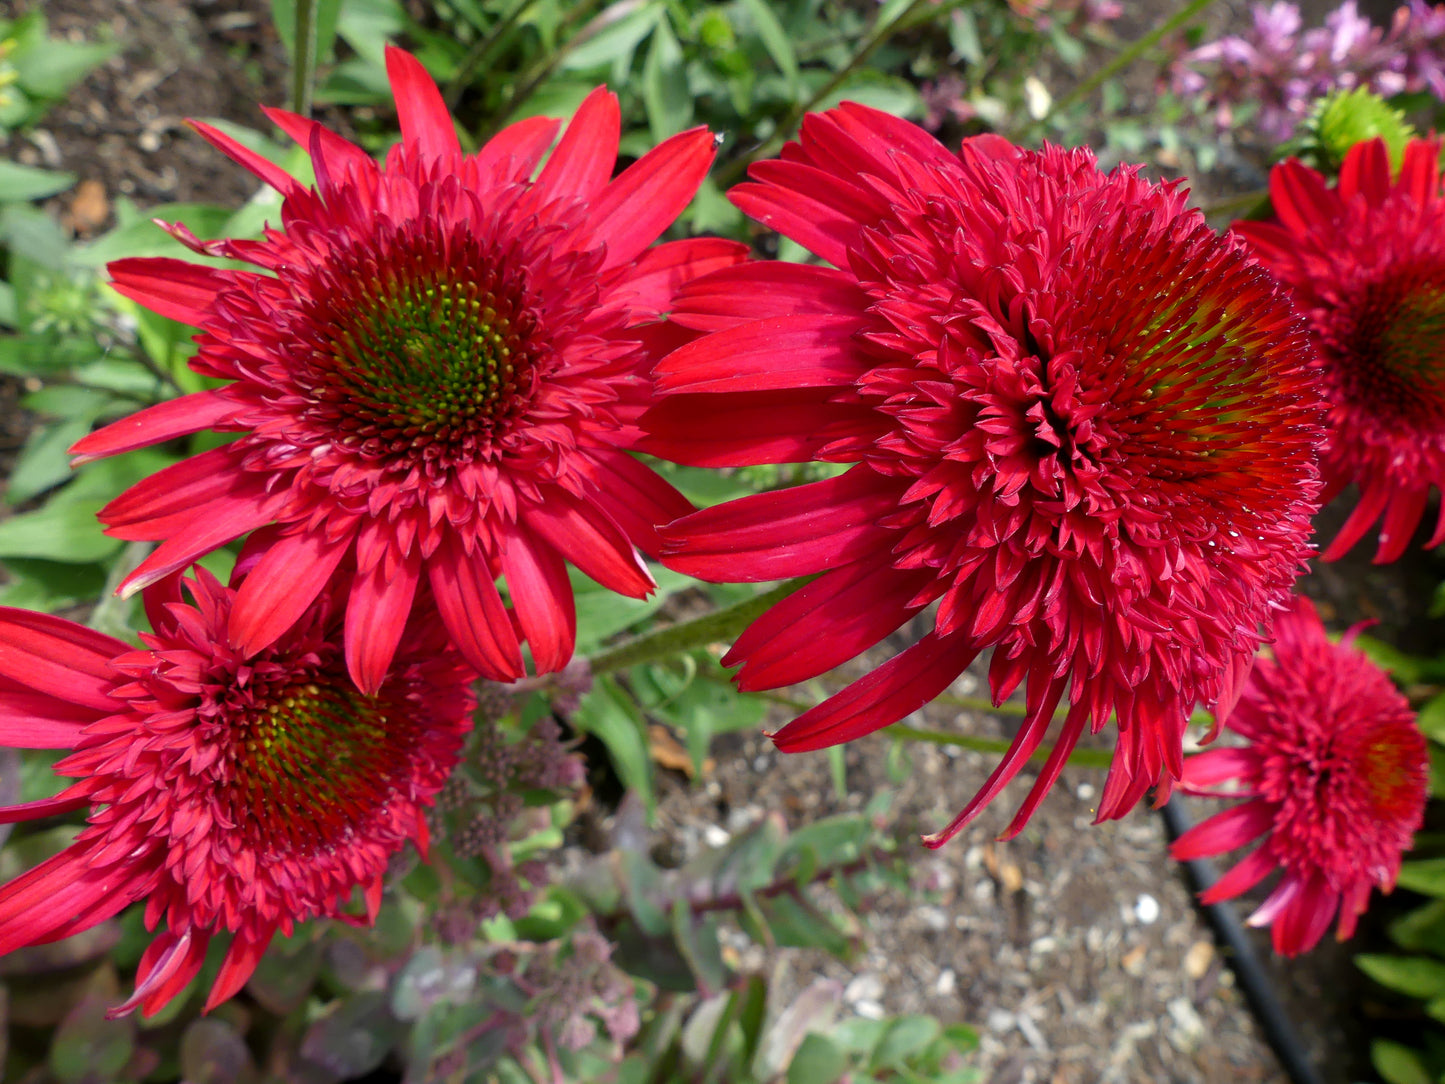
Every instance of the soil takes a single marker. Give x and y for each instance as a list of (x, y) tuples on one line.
[(1075, 949)]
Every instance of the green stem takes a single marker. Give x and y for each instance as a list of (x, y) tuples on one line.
[(303, 60), (1233, 205), (543, 70), (1126, 57), (734, 169), (724, 624), (481, 49), (1078, 758), (109, 615)]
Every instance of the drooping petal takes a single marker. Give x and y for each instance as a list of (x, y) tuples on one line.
[(900, 686), (542, 598), (263, 168), (588, 538), (782, 352), (58, 658), (376, 616), (1234, 827), (282, 586), (469, 604)]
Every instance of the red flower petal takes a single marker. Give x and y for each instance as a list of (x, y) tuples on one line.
[(175, 289), (582, 163), (263, 168), (426, 123), (376, 614), (631, 212), (469, 604), (282, 586), (165, 421), (542, 598), (781, 352)]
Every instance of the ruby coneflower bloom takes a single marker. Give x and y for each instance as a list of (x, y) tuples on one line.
[(1078, 420), (435, 375), (1366, 261), (1334, 774), (232, 794)]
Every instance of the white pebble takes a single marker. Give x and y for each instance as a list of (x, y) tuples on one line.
[(1146, 909)]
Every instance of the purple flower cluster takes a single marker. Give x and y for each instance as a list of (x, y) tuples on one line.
[(1284, 68)]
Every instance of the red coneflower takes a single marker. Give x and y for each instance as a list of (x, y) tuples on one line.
[(234, 794), (1336, 774), (435, 378), (1080, 421), (1366, 261)]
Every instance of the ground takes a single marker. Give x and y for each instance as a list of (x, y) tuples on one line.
[(1075, 949)]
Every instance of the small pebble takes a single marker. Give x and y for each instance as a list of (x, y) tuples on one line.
[(864, 987), (715, 836), (870, 1010), (1146, 909), (1198, 959), (947, 982), (1085, 791)]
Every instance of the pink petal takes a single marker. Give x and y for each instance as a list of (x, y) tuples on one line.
[(167, 500), (542, 598), (784, 533), (586, 536), (59, 658), (519, 145), (1204, 771), (1246, 873), (779, 352), (1231, 828), (738, 429), (1043, 698), (631, 212), (1366, 171), (901, 685), (426, 123), (238, 967), (1420, 170), (813, 224), (1300, 196), (46, 898), (215, 524), (1373, 501), (31, 720), (636, 497), (175, 289), (1402, 516), (583, 160), (262, 167), (859, 604), (342, 156), (281, 586), (164, 421), (44, 807), (763, 289), (472, 610), (662, 270), (376, 614)]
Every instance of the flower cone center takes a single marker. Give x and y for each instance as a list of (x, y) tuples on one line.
[(1390, 774), (311, 762), (1399, 359)]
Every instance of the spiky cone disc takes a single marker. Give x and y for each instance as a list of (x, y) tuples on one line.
[(434, 376), (1366, 263), (232, 794), (1077, 419), (1333, 776)]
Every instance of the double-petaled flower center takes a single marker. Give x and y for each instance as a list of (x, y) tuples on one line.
[(424, 348), (1394, 339), (306, 763)]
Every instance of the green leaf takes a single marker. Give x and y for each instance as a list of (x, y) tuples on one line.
[(795, 923), (1398, 1064), (665, 93), (1413, 975), (353, 1037), (61, 531), (142, 237), (602, 613), (283, 17), (50, 585), (775, 40), (819, 1060), (612, 716), (697, 940), (51, 70), (87, 1046), (871, 87), (1424, 875), (20, 183), (213, 1052), (614, 45), (1432, 718), (906, 1037)]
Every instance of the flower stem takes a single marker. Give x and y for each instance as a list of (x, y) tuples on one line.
[(723, 624), (1126, 57), (1078, 758), (481, 49), (303, 59)]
